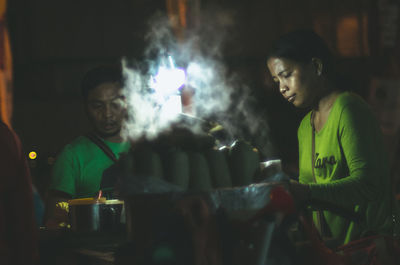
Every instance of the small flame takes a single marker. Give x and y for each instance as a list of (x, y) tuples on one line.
[(100, 194)]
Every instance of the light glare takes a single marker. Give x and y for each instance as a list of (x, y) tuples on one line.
[(168, 80), (32, 155)]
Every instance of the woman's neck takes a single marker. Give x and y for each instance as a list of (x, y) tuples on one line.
[(326, 98), (323, 107), (326, 102)]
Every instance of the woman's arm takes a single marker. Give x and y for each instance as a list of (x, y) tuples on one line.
[(361, 143)]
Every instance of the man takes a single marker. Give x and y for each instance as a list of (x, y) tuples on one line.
[(79, 167), (18, 235)]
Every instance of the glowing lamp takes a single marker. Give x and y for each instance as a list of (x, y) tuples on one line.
[(32, 155)]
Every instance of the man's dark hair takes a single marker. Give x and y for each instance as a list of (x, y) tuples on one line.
[(301, 46), (100, 75)]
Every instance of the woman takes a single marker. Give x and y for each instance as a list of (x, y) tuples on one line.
[(342, 158)]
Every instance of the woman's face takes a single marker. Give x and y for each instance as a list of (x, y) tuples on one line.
[(296, 81)]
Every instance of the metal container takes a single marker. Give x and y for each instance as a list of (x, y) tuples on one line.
[(95, 215)]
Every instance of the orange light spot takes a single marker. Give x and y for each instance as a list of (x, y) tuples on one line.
[(352, 35), (32, 155)]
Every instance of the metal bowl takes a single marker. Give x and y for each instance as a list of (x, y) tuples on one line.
[(96, 216)]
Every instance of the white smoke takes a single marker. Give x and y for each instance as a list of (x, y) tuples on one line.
[(217, 94)]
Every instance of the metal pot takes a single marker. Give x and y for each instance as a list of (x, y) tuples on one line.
[(95, 215)]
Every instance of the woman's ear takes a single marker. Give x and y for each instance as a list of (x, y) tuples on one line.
[(317, 63)]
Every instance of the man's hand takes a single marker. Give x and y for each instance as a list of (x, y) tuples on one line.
[(56, 216), (59, 218)]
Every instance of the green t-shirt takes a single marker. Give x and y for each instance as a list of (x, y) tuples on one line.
[(351, 168), (79, 167)]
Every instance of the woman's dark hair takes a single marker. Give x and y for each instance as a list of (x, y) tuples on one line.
[(301, 46), (100, 75)]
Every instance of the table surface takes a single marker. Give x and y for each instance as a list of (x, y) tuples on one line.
[(66, 247)]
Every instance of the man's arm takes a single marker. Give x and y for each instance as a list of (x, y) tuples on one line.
[(62, 188)]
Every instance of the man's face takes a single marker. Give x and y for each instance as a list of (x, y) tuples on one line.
[(106, 109)]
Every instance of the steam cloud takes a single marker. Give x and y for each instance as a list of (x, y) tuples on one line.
[(218, 95)]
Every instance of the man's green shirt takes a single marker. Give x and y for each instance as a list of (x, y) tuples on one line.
[(351, 168), (79, 167)]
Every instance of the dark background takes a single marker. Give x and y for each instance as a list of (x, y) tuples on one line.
[(55, 42)]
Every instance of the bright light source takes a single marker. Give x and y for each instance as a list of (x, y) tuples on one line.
[(32, 155), (171, 107), (168, 80)]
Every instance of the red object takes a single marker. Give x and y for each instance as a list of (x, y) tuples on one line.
[(187, 94), (18, 235), (321, 254), (373, 250), (280, 202)]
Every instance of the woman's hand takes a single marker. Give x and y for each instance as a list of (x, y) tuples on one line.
[(300, 192)]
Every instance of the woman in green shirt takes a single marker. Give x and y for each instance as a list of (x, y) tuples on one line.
[(342, 161)]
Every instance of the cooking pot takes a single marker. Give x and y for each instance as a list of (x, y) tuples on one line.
[(95, 215)]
